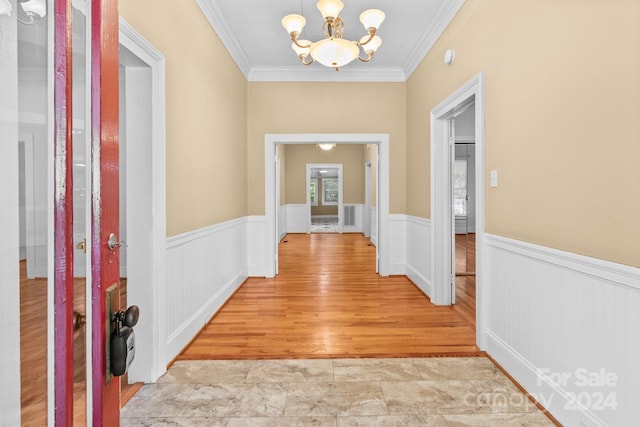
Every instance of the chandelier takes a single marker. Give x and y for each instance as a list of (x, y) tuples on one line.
[(334, 51)]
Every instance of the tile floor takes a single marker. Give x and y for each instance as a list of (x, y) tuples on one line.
[(324, 225), (341, 392)]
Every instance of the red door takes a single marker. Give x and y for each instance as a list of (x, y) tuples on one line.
[(105, 407), (104, 189), (63, 217)]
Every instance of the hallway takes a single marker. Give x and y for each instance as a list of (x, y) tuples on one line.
[(329, 302), (330, 343)]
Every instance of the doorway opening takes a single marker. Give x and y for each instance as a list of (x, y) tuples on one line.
[(272, 172), (448, 198), (324, 199)]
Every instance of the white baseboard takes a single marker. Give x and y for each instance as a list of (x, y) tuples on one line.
[(419, 280)]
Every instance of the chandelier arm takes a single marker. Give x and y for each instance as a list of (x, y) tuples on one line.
[(365, 59), (306, 63), (372, 33), (294, 39)]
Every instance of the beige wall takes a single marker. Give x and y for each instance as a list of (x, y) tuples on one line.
[(326, 108), (562, 120), (206, 114), (349, 156)]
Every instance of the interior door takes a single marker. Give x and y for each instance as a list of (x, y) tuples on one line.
[(105, 245)]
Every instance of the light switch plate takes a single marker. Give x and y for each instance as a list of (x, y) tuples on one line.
[(494, 178)]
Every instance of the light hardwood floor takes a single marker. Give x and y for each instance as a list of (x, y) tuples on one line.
[(328, 302)]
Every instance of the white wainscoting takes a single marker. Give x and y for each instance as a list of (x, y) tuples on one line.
[(256, 249), (204, 268), (419, 253), (553, 313), (297, 218), (397, 244)]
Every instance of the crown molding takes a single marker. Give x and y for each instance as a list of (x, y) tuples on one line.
[(300, 73), (215, 17), (444, 16)]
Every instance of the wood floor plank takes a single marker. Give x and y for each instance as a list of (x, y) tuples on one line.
[(328, 302)]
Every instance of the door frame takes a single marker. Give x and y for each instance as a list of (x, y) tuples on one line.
[(441, 196), (271, 142), (149, 294), (338, 166)]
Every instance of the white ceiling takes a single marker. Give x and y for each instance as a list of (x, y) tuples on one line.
[(251, 31)]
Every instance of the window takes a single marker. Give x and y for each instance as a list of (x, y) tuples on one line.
[(460, 187), (329, 191), (313, 191)]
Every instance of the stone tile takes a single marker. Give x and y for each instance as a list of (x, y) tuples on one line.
[(502, 396), (207, 372), (326, 399), (236, 400), (457, 368), (173, 422), (291, 371), (498, 420), (157, 400), (283, 422), (431, 397), (393, 421), (375, 370)]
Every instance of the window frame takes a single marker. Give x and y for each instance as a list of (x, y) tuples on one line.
[(313, 182), (324, 200)]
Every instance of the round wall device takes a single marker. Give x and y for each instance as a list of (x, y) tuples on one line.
[(449, 56)]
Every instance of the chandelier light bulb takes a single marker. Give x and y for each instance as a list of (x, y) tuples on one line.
[(294, 23), (372, 18), (330, 8), (373, 44)]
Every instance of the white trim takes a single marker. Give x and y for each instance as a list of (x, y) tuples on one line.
[(155, 288), (272, 140), (442, 232), (444, 16), (619, 275), (313, 73), (189, 236), (219, 24)]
